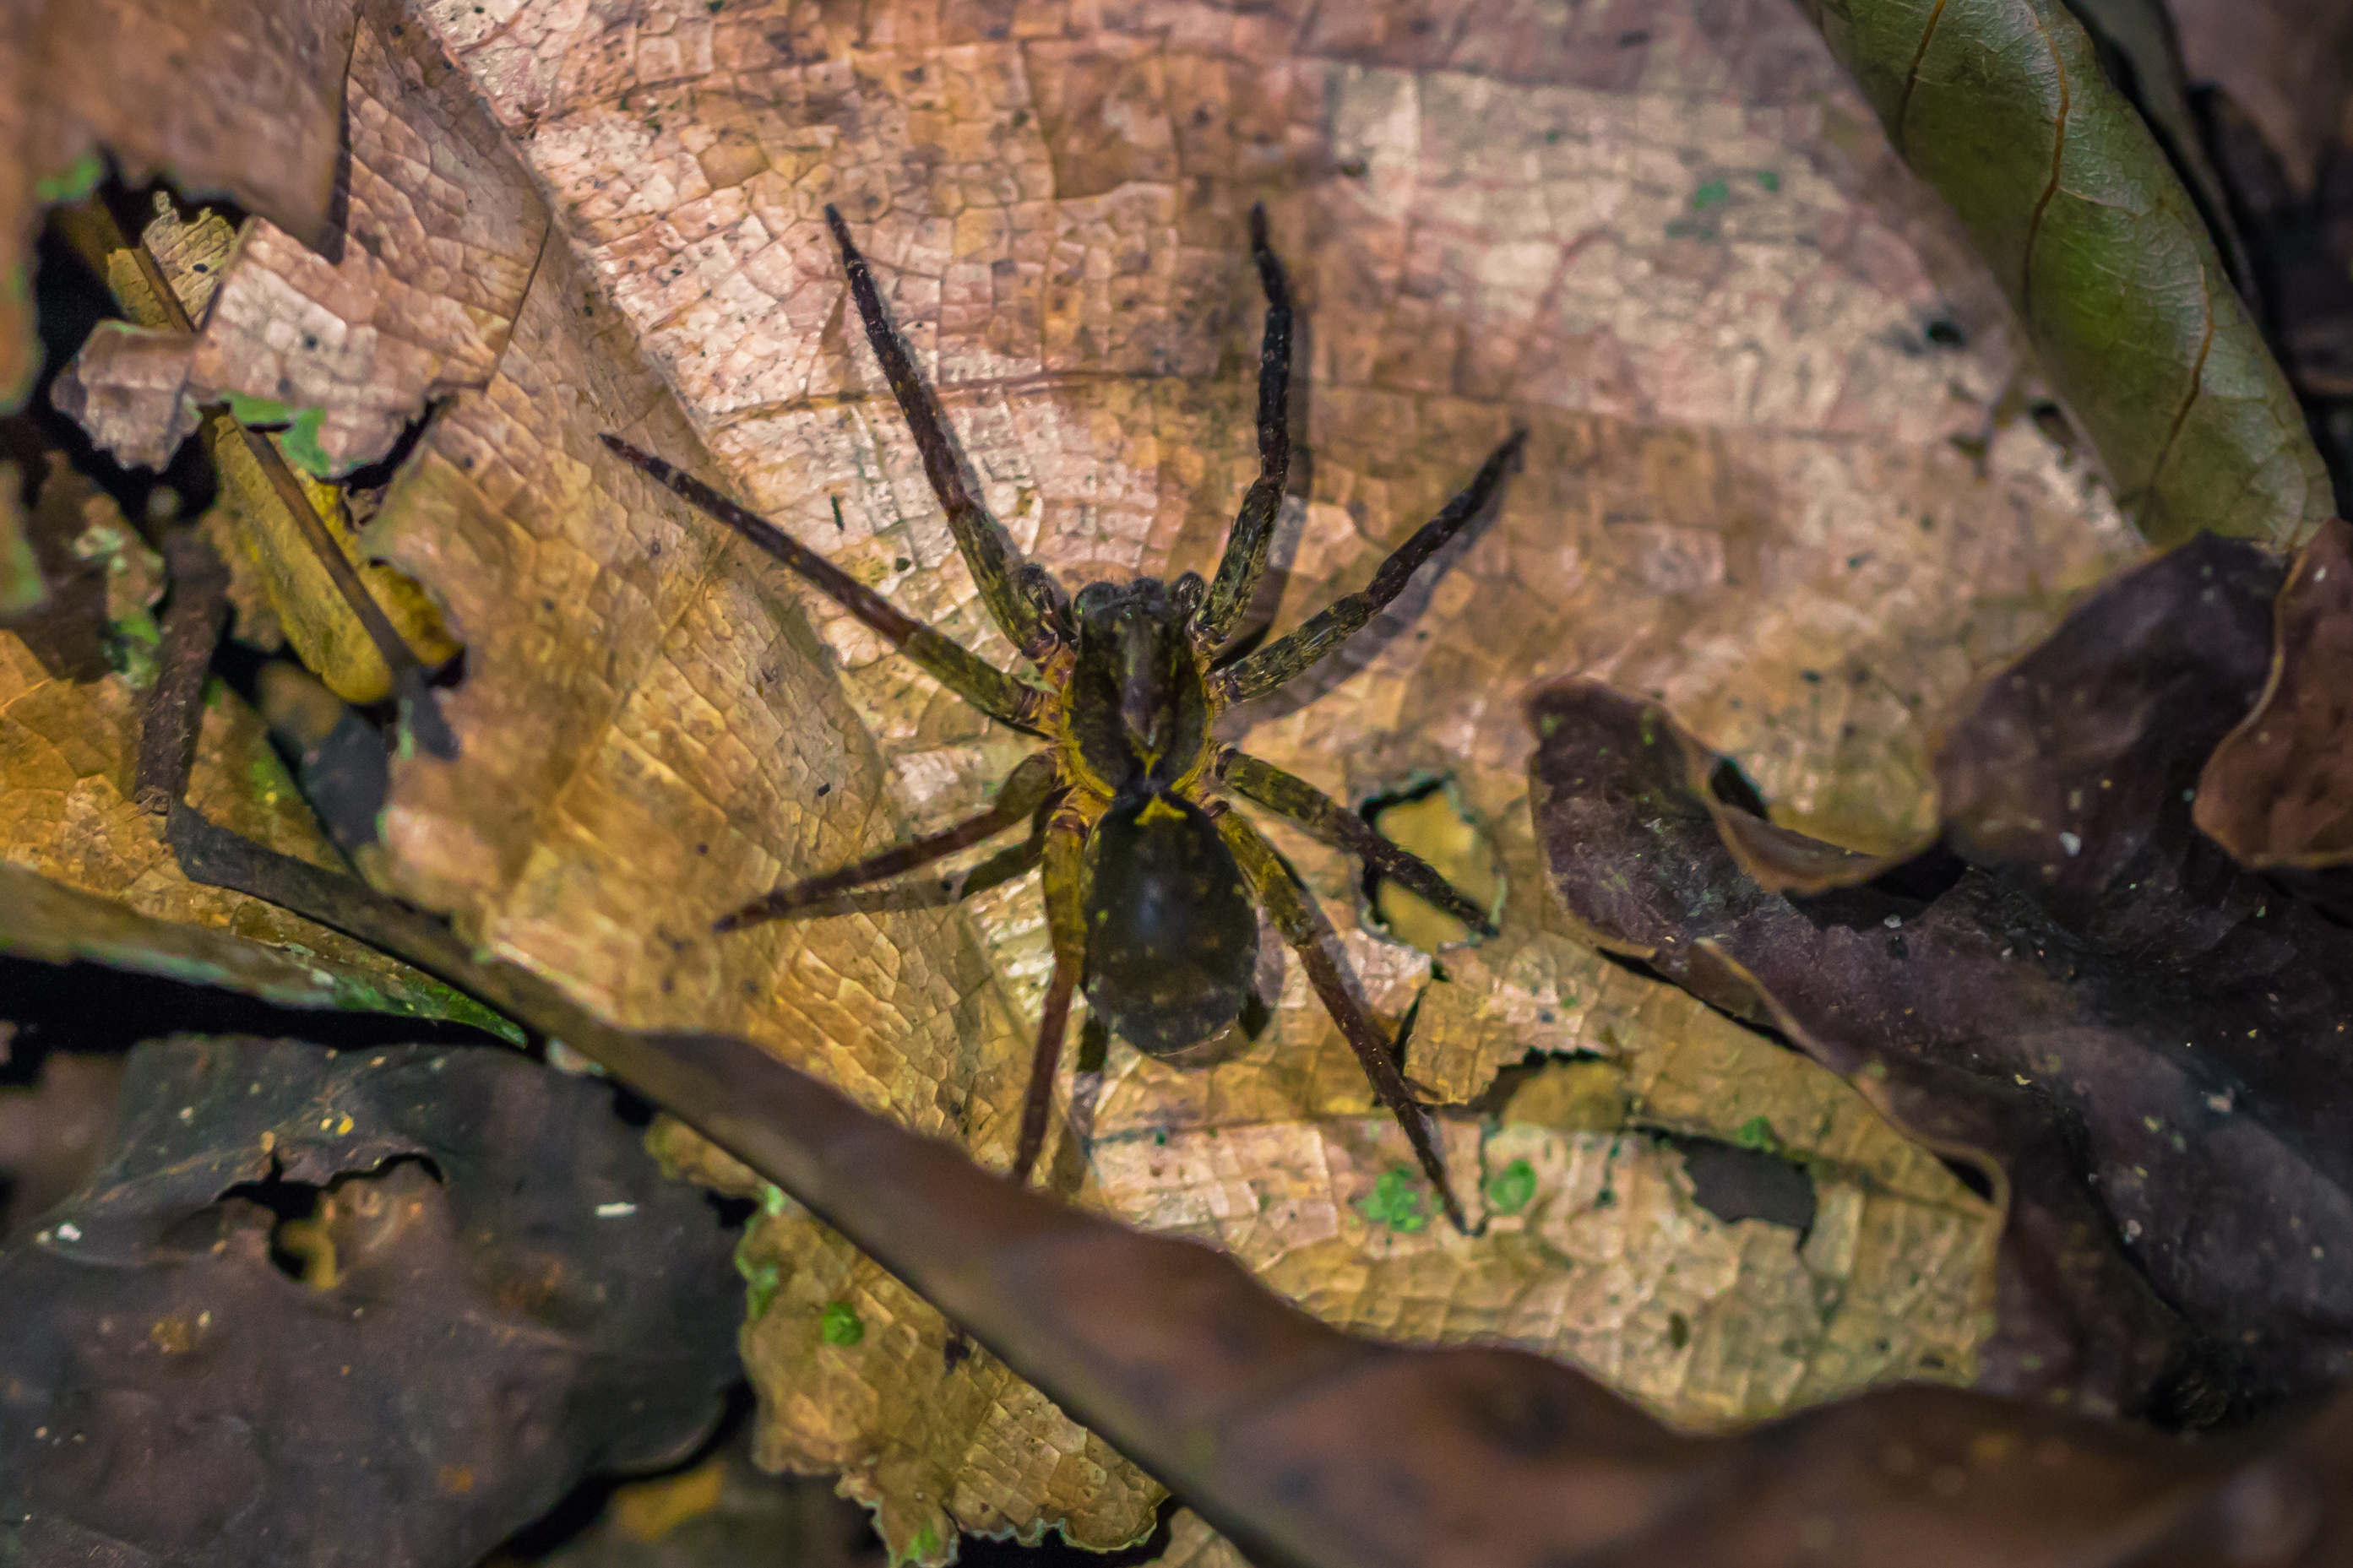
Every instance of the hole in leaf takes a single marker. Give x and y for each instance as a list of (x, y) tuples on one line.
[(1428, 819)]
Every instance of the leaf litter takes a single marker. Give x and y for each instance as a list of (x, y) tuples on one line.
[(653, 732), (2143, 1036), (490, 1290), (650, 736)]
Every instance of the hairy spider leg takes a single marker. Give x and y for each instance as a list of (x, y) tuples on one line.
[(1287, 794), (1296, 653), (1300, 920), (985, 550), (948, 661), (1024, 789), (1007, 864), (1252, 534), (1066, 842)]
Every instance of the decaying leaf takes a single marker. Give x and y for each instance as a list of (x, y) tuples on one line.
[(221, 95), (2083, 963), (346, 347), (127, 389), (2002, 107), (2278, 792), (497, 1292), (72, 677)]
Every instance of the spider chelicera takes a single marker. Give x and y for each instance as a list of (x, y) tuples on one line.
[(1149, 873)]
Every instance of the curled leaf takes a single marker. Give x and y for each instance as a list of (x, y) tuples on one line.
[(2001, 105), (2278, 791)]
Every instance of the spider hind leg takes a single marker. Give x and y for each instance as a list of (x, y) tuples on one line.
[(1302, 925)]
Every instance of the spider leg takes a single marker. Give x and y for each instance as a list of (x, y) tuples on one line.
[(978, 535), (1253, 531), (1024, 788), (1303, 926), (1293, 796), (1298, 651), (954, 666), (1066, 842), (1009, 864)]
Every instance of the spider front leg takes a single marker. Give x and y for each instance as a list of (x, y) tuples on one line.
[(987, 552), (950, 663), (1293, 796), (1066, 842), (1253, 535), (1302, 925), (1298, 651)]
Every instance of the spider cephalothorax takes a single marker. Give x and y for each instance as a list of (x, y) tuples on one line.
[(1150, 877)]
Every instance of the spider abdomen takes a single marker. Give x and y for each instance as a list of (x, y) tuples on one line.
[(1172, 934)]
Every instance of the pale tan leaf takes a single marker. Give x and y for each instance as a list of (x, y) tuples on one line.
[(127, 389), (367, 342)]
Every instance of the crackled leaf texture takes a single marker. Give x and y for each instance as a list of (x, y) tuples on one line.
[(1766, 476)]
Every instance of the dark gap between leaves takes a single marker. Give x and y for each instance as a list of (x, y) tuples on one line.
[(56, 1008), (982, 1552)]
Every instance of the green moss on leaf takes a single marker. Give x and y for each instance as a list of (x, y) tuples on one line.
[(1397, 1202), (839, 1324), (1510, 1189)]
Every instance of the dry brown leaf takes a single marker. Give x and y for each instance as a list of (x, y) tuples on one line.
[(1779, 534), (127, 389), (71, 680), (2272, 793), (222, 95), (354, 346)]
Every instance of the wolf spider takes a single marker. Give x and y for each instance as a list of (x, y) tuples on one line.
[(1149, 875)]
